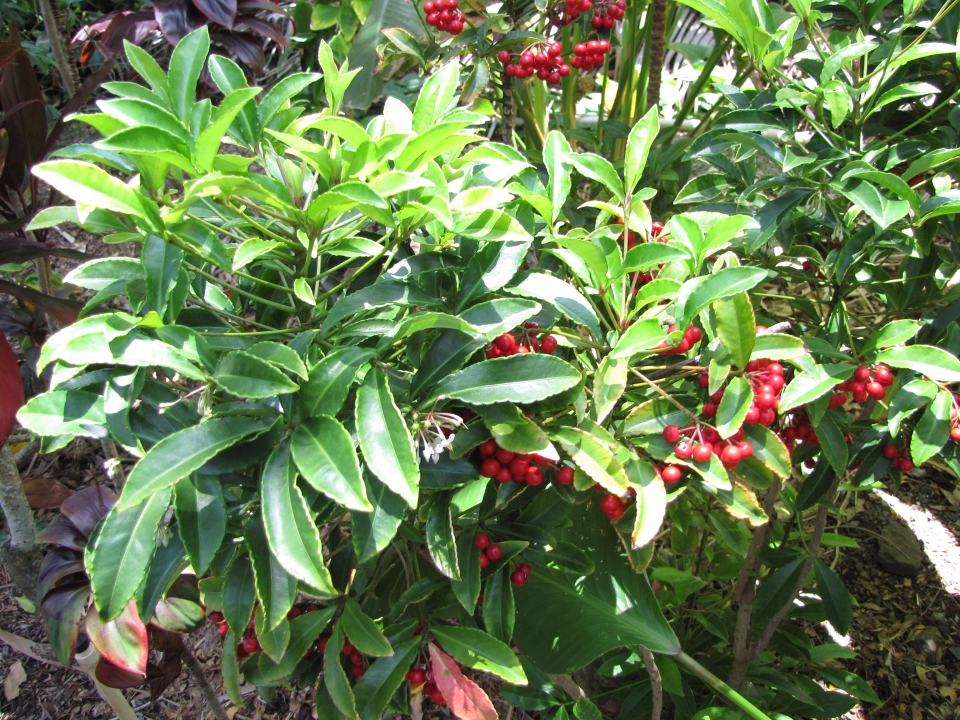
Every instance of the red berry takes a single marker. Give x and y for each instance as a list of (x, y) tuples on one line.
[(310, 609), (482, 540), (417, 676), (504, 475), (484, 561), (683, 450), (251, 645), (506, 342), (216, 617), (616, 513), (876, 390), (702, 452), (955, 434), (348, 647), (534, 476), (767, 416), (525, 569), (890, 451), (504, 456), (746, 449), (565, 475), (609, 503), (518, 578), (548, 343), (504, 56), (488, 448), (765, 400), (322, 644), (730, 456), (775, 368), (494, 552), (671, 433), (224, 629), (862, 373), (489, 468), (294, 612), (906, 465), (709, 410), (671, 474), (518, 468)]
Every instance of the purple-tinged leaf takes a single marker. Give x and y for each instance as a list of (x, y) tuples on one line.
[(132, 26), (11, 388), (64, 311), (114, 676), (61, 611), (123, 640), (177, 18), (64, 533), (220, 11), (243, 47), (86, 507), (262, 27), (27, 128), (58, 564)]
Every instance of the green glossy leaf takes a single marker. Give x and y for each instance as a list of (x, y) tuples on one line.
[(441, 541), (292, 534), (696, 294), (768, 449), (304, 630), (833, 443), (513, 431), (276, 588), (936, 363), (808, 386), (372, 532), (600, 169), (776, 590), (201, 518), (247, 376), (736, 401), (334, 676), (329, 381), (736, 327), (562, 295), (324, 452), (481, 651), (186, 64), (651, 417), (88, 184), (282, 356), (185, 451), (933, 430), (556, 151), (518, 379), (499, 612), (848, 682), (835, 598), (363, 632), (639, 142), (385, 439), (609, 382), (65, 412), (594, 457), (467, 588), (118, 560), (639, 337), (383, 678), (492, 267), (239, 594), (491, 226)]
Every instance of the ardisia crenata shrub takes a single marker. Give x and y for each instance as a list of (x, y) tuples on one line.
[(418, 404)]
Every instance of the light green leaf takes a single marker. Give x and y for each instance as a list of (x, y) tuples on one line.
[(324, 452)]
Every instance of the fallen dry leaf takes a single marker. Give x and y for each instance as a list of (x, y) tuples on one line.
[(928, 681), (15, 677), (44, 493)]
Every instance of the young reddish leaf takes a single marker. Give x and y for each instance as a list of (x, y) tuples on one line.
[(465, 698), (123, 640), (11, 388), (86, 507), (114, 676)]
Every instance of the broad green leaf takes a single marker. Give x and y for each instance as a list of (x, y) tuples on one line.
[(210, 139), (324, 452), (600, 169), (562, 295), (933, 430), (334, 676), (201, 518), (556, 150), (245, 375), (436, 97), (289, 86), (385, 439), (372, 532), (184, 452), (517, 379), (148, 68), (65, 412), (899, 331), (736, 326), (467, 588), (696, 294), (440, 538), (651, 500), (447, 354), (594, 457), (282, 356), (481, 651), (833, 442), (186, 64), (161, 265), (639, 142), (703, 188), (641, 336), (933, 362), (118, 560), (609, 382), (492, 267), (329, 381), (293, 536), (777, 346), (514, 431), (383, 678), (492, 225), (250, 250), (651, 417), (768, 449), (808, 386), (647, 256), (363, 632), (847, 681), (736, 401), (499, 612), (276, 588), (88, 184), (101, 273), (881, 209), (304, 630), (835, 598), (389, 292), (239, 594), (776, 590)]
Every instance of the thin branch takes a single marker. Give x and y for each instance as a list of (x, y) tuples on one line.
[(656, 683), (196, 670)]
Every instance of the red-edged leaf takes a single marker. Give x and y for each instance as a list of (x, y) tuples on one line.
[(220, 11), (44, 493), (64, 311), (114, 676), (64, 533), (177, 18), (86, 507), (58, 564), (11, 388), (180, 611), (132, 26), (465, 698), (61, 611), (123, 640)]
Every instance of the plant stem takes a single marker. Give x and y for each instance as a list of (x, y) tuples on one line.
[(20, 557), (719, 686), (52, 29), (196, 669), (658, 49), (656, 683)]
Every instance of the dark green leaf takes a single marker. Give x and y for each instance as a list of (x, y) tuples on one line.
[(247, 376), (201, 518), (363, 632), (324, 452), (440, 539), (835, 598), (518, 379)]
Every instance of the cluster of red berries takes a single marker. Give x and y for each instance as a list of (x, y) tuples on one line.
[(656, 235), (444, 15), (766, 380), (548, 64), (588, 55), (864, 383), (901, 457), (605, 14), (421, 676), (527, 342), (490, 552), (701, 443), (799, 430), (691, 336), (248, 645), (504, 466), (613, 505)]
